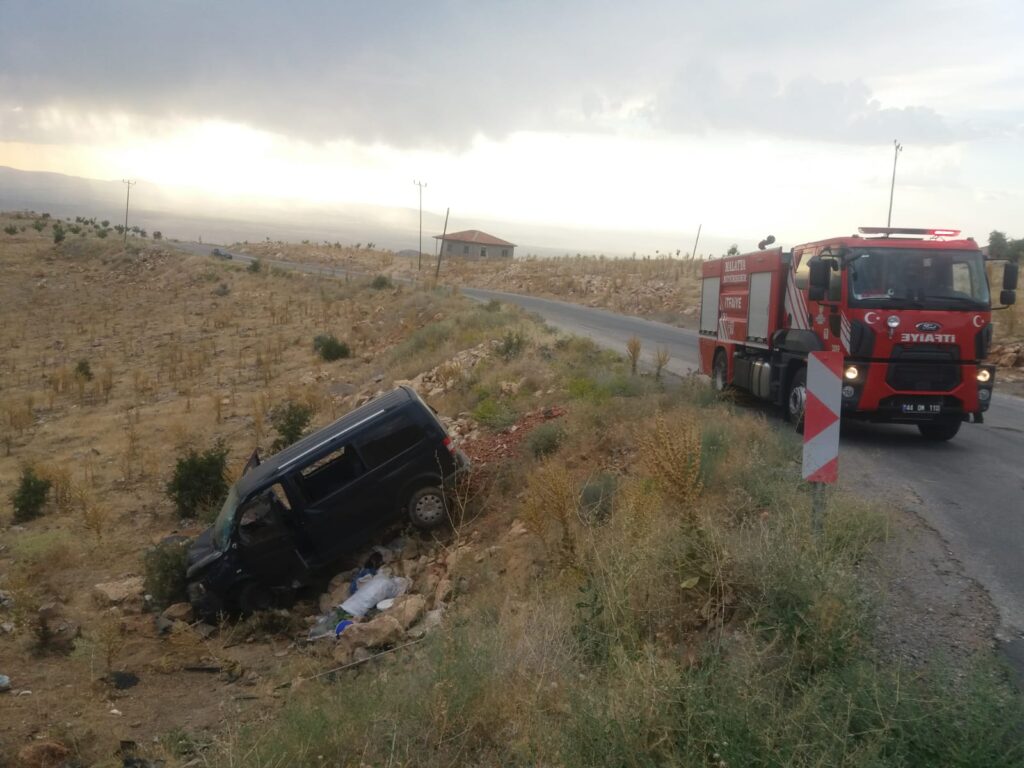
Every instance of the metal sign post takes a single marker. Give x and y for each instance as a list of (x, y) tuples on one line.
[(821, 428)]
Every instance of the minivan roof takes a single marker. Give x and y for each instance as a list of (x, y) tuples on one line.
[(288, 459)]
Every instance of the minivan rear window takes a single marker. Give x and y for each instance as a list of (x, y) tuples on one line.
[(386, 440)]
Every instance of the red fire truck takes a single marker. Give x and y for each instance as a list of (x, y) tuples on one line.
[(909, 309)]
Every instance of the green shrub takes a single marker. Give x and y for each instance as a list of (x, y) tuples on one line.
[(58, 233), (30, 496), (11, 229), (511, 345), (330, 348), (164, 568), (290, 420), (598, 497), (83, 370), (494, 414), (492, 306), (380, 282), (545, 439), (38, 225), (254, 266), (198, 484)]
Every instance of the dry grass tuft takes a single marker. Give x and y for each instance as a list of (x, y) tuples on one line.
[(671, 455)]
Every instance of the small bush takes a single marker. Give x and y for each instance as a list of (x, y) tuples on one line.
[(198, 484), (58, 233), (330, 348), (38, 225), (30, 496), (494, 414), (492, 306), (254, 266), (290, 420), (11, 229), (164, 568), (221, 290), (511, 345), (598, 497), (545, 439), (83, 370), (380, 282)]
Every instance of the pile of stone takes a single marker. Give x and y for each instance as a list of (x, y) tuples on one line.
[(428, 572), (443, 377), (1007, 355)]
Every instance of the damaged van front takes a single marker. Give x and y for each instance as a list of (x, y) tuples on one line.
[(290, 517)]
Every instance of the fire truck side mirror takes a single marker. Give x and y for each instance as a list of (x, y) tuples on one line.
[(1007, 298), (817, 280), (1010, 277)]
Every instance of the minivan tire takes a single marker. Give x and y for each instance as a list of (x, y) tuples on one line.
[(253, 597), (428, 508)]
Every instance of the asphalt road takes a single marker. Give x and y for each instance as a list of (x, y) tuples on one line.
[(970, 490)]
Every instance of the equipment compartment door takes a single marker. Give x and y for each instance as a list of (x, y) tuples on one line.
[(759, 306), (709, 305)]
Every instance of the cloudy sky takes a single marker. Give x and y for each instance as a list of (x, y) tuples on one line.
[(751, 116)]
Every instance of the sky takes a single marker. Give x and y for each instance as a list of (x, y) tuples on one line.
[(745, 117)]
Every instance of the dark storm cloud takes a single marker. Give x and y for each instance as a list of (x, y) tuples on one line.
[(701, 99), (436, 74)]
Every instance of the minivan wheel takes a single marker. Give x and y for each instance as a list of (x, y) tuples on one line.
[(427, 508), (254, 597)]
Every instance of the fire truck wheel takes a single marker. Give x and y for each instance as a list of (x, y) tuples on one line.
[(939, 431), (720, 372), (796, 399)]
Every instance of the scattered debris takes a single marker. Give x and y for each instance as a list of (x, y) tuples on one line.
[(5, 684)]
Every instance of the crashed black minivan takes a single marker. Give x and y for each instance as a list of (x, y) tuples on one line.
[(294, 514)]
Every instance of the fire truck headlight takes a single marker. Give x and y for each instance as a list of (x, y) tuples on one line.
[(893, 321), (984, 395), (984, 375), (852, 372), (849, 392)]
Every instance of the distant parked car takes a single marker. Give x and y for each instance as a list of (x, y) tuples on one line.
[(221, 254), (290, 517)]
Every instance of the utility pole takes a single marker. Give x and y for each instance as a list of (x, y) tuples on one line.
[(897, 148), (437, 272), (127, 198), (419, 259), (697, 240)]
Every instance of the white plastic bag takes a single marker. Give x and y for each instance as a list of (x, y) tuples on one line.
[(380, 587)]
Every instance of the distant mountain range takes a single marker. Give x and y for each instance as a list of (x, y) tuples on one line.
[(193, 214)]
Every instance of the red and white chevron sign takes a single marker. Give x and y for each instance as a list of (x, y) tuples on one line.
[(821, 416)]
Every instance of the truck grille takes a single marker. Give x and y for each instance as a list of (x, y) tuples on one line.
[(924, 369)]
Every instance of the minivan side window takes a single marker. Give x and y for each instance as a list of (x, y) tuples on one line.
[(328, 473), (386, 440)]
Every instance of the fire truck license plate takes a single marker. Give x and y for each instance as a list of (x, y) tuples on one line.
[(922, 407)]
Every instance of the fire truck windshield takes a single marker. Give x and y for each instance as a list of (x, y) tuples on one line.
[(903, 278)]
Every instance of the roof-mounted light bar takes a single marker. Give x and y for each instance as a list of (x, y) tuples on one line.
[(908, 231)]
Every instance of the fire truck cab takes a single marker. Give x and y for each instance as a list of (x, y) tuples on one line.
[(910, 309)]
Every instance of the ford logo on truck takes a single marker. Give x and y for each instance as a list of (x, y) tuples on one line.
[(928, 325)]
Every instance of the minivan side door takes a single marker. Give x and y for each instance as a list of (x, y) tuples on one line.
[(339, 498)]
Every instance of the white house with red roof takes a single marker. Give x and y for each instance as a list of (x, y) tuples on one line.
[(474, 244)]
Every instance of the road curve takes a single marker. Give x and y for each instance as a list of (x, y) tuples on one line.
[(971, 489)]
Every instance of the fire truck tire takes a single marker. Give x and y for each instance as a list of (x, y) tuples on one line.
[(720, 372), (939, 431), (796, 399)]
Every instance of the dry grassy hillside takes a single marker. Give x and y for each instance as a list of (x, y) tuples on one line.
[(631, 577)]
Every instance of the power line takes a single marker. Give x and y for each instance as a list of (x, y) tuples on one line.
[(128, 196), (419, 258)]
